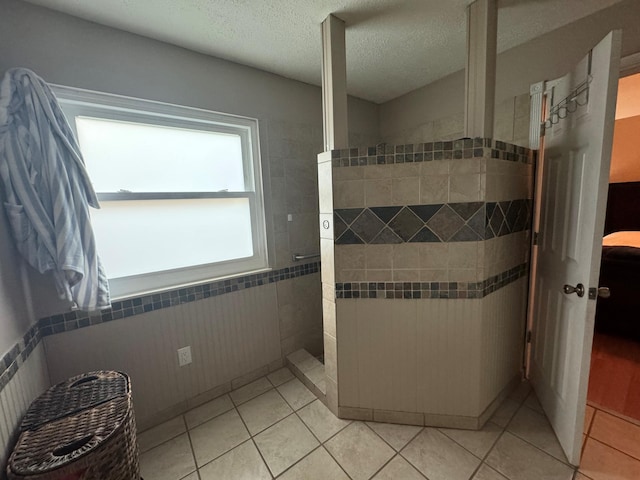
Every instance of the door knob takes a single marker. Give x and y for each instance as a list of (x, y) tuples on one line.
[(578, 289), (604, 292)]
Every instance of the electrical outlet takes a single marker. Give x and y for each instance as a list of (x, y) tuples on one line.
[(184, 356)]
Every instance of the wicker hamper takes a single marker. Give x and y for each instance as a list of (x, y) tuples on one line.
[(79, 430)]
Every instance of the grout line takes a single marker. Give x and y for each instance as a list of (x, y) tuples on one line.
[(193, 453)]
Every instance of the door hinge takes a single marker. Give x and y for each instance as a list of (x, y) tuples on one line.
[(536, 235), (529, 336)]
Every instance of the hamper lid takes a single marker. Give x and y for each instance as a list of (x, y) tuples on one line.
[(74, 395), (65, 441)]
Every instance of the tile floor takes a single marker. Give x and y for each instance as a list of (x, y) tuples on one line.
[(276, 428)]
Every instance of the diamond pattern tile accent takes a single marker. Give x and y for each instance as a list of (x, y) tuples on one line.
[(387, 236), (425, 212), (466, 210), (349, 214), (339, 227), (445, 223), (425, 235), (349, 238), (406, 224), (386, 213), (367, 226), (465, 234), (453, 222)]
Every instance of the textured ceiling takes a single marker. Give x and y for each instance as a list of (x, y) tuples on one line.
[(393, 46)]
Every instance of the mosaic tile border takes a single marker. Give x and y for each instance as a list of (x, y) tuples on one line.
[(442, 222), (427, 290), (148, 303), (13, 359), (463, 148)]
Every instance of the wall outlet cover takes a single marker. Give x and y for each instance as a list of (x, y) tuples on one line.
[(184, 356)]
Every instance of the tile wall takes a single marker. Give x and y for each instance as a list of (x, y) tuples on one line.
[(425, 262), (511, 124)]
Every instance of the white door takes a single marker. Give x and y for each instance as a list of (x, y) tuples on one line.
[(575, 153)]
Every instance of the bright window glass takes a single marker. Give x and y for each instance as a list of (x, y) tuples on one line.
[(179, 188), (153, 158)]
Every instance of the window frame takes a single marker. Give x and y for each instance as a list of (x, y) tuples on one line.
[(78, 102)]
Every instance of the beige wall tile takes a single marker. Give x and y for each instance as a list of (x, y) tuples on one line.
[(406, 191), (434, 275), (350, 257), (329, 291), (437, 167), (406, 275), (404, 418), (378, 256), (348, 194), (341, 174), (379, 171), (325, 187), (377, 192), (464, 275), (448, 126), (434, 189), (329, 317), (466, 166), (351, 275), (463, 254), (434, 255), (464, 188), (355, 413), (379, 275), (330, 357), (406, 255)]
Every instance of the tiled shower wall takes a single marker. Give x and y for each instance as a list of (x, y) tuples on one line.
[(511, 124), (423, 239)]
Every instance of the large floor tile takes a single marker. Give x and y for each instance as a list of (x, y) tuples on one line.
[(161, 433), (601, 462), (172, 460), (321, 421), (280, 376), (505, 412), (296, 394), (217, 436), (241, 463), (264, 411), (359, 451), (192, 476), (487, 473), (303, 360), (440, 458), (318, 465), (533, 403), (616, 433), (251, 390), (395, 435), (398, 469), (520, 392), (478, 442), (517, 460), (208, 410), (285, 443), (534, 427)]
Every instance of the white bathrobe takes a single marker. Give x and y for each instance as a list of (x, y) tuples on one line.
[(47, 192)]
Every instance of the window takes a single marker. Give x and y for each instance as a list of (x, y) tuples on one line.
[(179, 189)]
